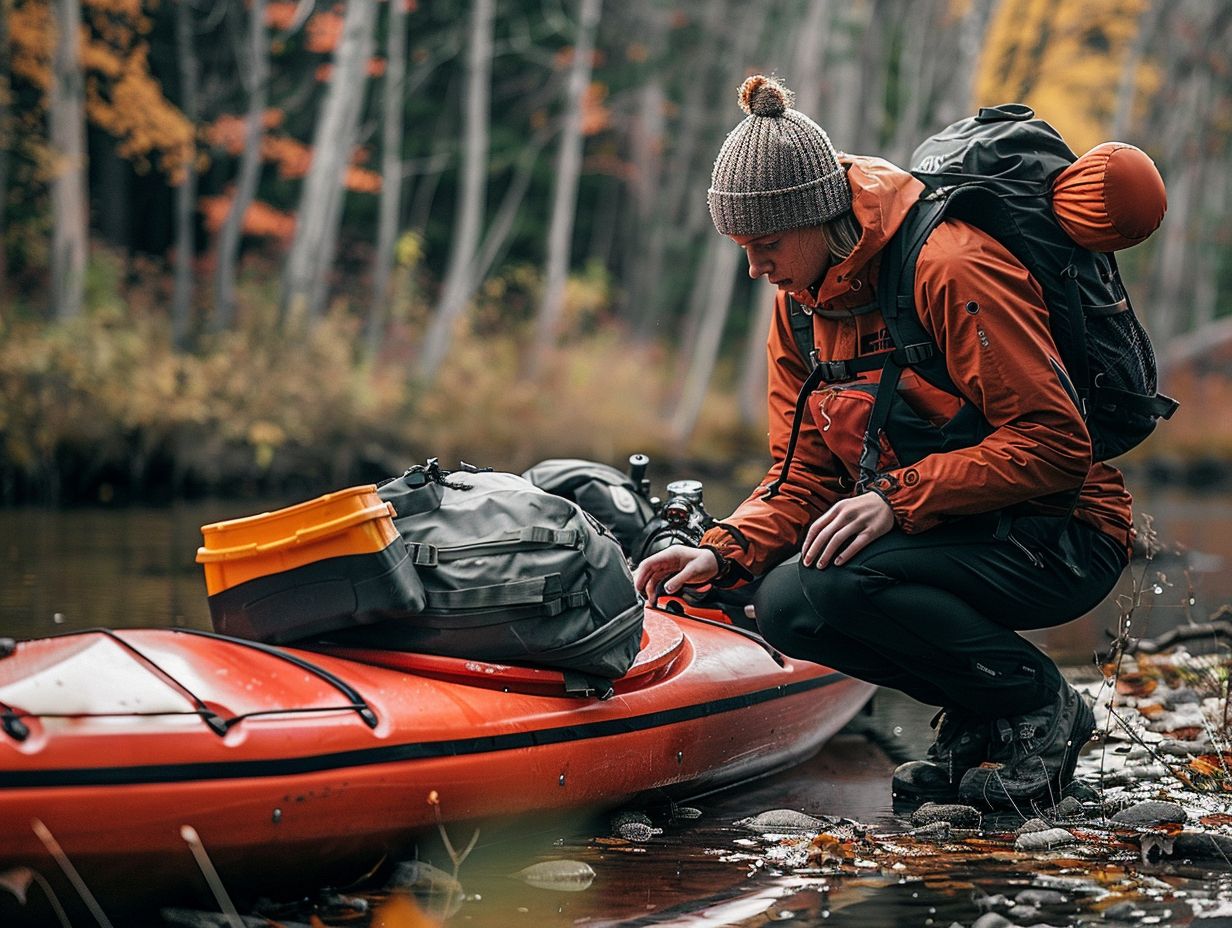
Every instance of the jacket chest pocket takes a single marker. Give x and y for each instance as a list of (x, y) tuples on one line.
[(841, 414)]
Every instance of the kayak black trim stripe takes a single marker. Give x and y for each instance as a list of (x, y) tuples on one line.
[(240, 769)]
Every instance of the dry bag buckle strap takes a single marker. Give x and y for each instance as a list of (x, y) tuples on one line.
[(568, 601), (537, 590), (422, 554), (541, 535)]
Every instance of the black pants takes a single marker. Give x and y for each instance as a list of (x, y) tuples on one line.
[(937, 614)]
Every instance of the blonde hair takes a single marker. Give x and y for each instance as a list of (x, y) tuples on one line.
[(841, 234)]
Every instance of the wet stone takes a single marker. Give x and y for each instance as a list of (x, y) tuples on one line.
[(1083, 792), (992, 920), (935, 830), (1067, 808), (987, 903), (637, 831), (782, 821), (1183, 748), (1039, 897), (1023, 913), (1151, 812), (958, 816), (1124, 912), (1184, 696), (1044, 840), (628, 817), (685, 813), (559, 875), (1032, 824), (1199, 846), (418, 876)]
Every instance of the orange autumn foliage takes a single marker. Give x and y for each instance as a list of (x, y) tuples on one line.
[(595, 116), (564, 58), (122, 96), (291, 156), (362, 180), (260, 219), (323, 32), (227, 131), (280, 14)]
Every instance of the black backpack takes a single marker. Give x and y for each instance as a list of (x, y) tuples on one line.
[(995, 171)]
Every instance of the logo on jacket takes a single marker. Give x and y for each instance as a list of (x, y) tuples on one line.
[(873, 342)]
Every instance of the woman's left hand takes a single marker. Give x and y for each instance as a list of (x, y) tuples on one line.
[(845, 529)]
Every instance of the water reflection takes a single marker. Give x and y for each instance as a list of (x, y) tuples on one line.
[(78, 568), (125, 567)]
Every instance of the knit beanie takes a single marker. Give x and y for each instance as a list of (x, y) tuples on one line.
[(777, 169)]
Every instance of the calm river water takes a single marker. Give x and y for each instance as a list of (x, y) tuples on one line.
[(77, 568)]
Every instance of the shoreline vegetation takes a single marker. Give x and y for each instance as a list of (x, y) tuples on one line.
[(103, 408)]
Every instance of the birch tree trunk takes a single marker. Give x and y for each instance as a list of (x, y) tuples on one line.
[(391, 174), (68, 145), (807, 68), (564, 195), (472, 192), (848, 98), (957, 94), (333, 140), (186, 192), (754, 380), (726, 262), (255, 74), (701, 311), (1148, 22)]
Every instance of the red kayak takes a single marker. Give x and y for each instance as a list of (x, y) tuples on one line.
[(287, 760)]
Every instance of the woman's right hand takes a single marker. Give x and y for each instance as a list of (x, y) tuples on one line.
[(674, 567)]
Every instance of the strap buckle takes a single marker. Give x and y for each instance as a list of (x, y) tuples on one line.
[(832, 371), (911, 355)]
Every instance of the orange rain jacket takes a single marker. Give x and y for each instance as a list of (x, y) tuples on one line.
[(987, 314)]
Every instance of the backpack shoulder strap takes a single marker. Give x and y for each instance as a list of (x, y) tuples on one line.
[(802, 331), (896, 289)]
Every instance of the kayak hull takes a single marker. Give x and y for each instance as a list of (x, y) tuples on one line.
[(275, 766)]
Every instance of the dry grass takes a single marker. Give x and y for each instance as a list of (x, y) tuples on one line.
[(104, 406)]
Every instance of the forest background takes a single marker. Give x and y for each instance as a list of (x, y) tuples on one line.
[(272, 247)]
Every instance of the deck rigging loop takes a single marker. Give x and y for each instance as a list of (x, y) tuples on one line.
[(12, 724)]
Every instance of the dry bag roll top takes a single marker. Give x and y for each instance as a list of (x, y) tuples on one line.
[(331, 562)]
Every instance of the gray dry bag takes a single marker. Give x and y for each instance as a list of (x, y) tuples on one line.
[(512, 574)]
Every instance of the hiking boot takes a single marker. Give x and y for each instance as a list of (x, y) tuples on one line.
[(961, 744), (1031, 756)]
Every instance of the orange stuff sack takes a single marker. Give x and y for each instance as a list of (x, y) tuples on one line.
[(1110, 198)]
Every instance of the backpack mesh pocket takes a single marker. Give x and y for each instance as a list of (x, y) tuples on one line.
[(1120, 353)]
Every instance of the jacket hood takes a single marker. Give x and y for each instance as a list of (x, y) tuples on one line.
[(881, 195)]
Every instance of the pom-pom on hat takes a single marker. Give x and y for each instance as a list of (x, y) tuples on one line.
[(1110, 198), (777, 169)]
